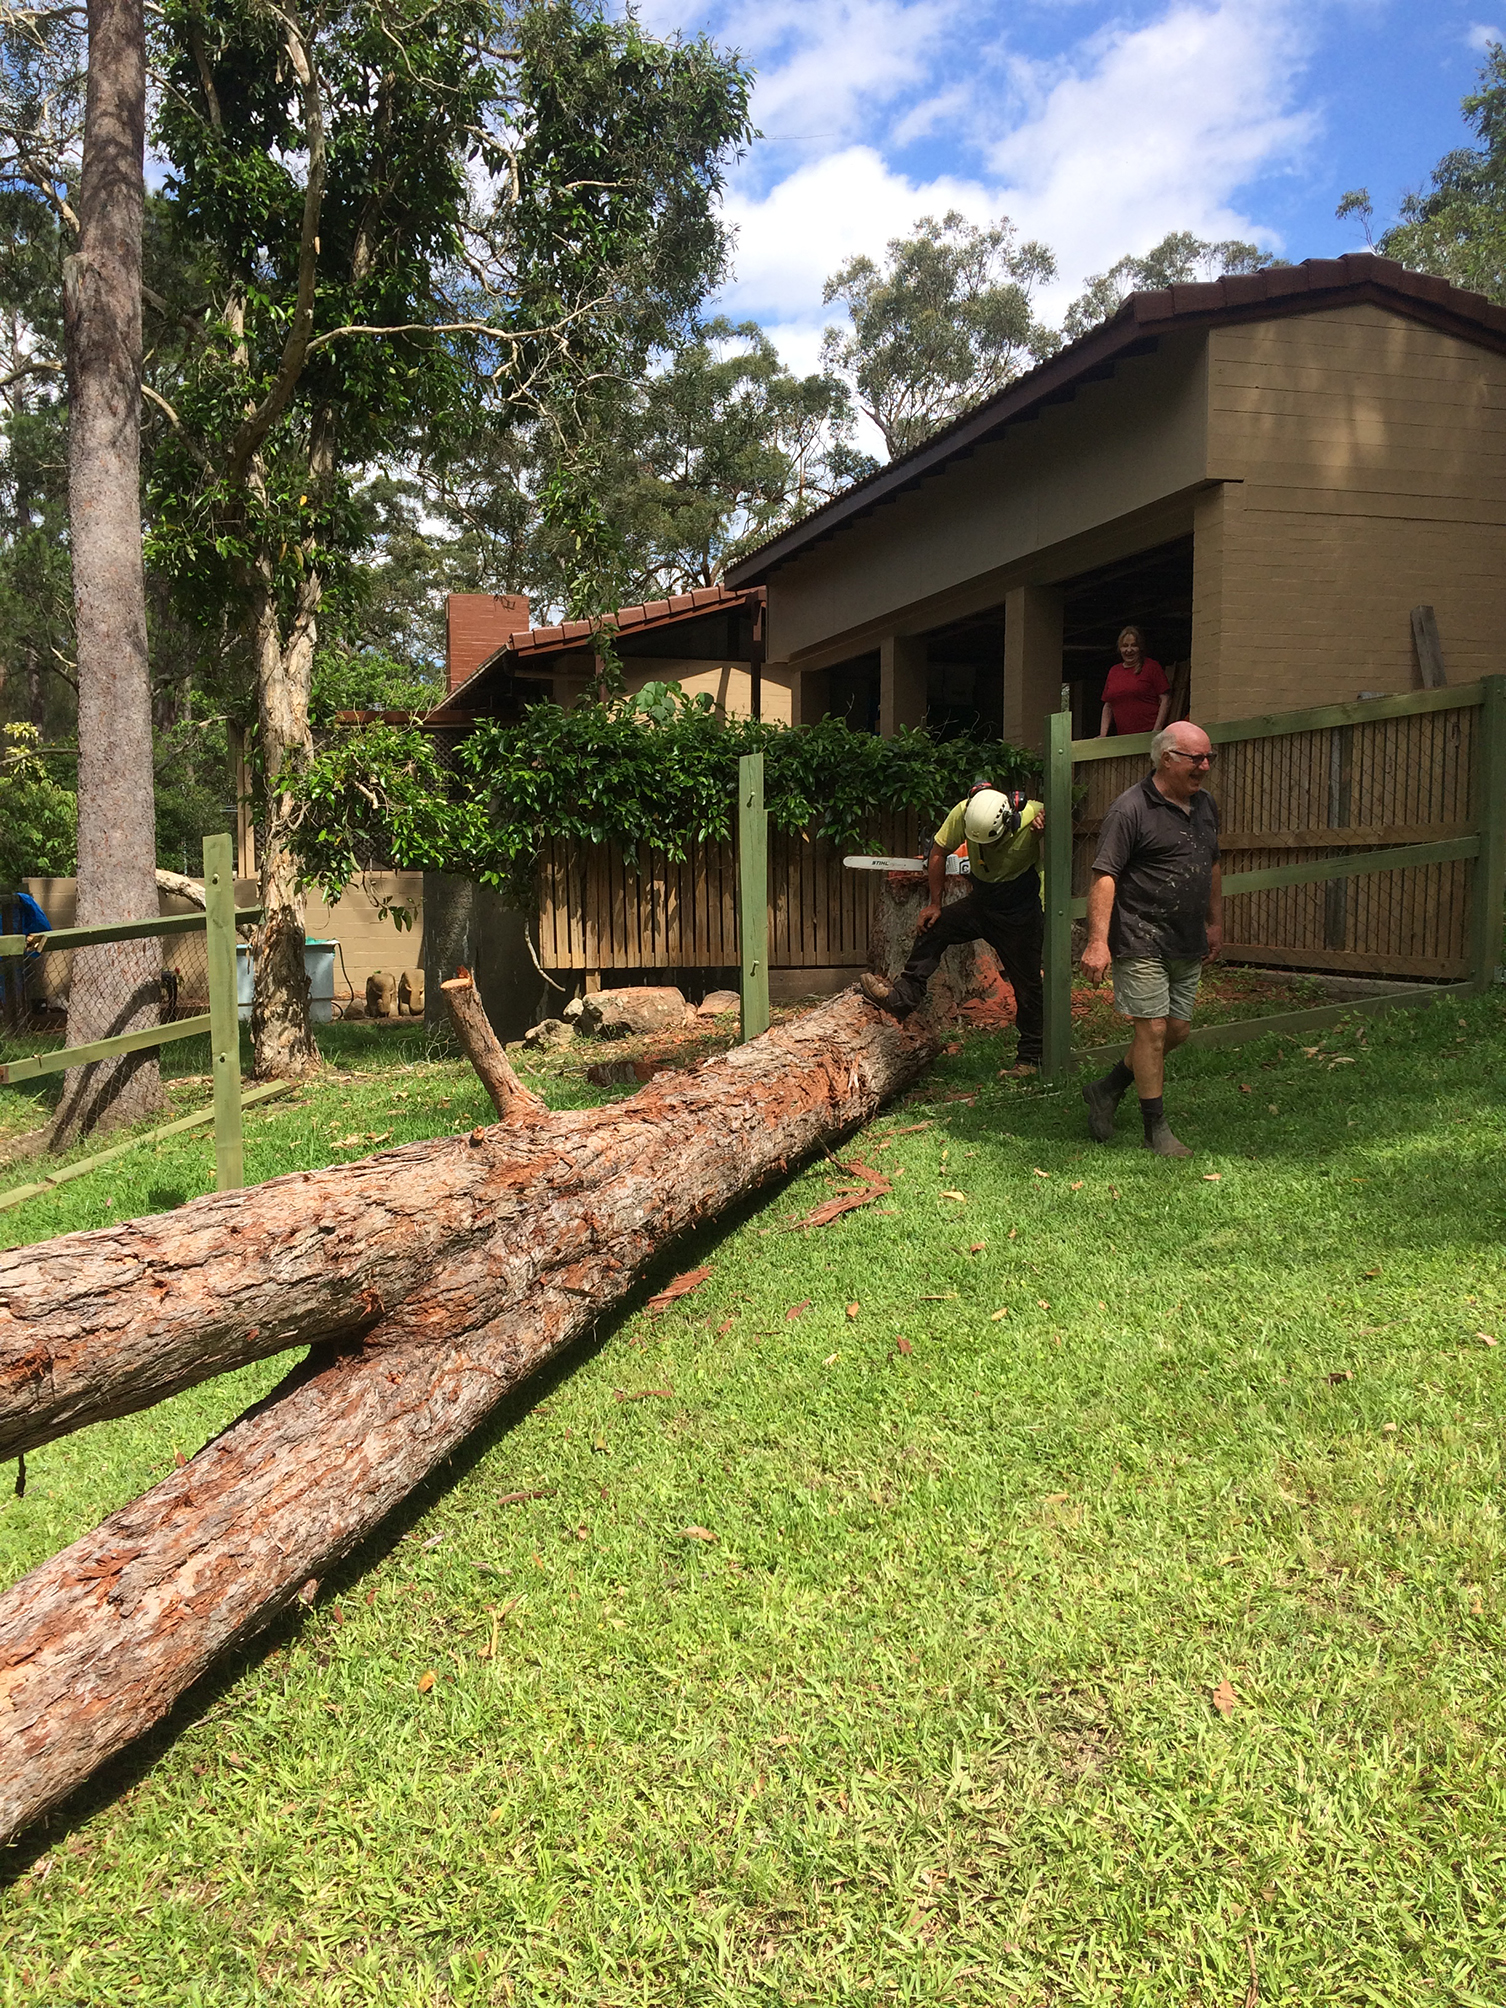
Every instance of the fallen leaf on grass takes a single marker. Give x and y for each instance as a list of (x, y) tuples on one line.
[(1343, 1060), (1212, 1177), (1341, 1374), (374, 1136), (904, 1345), (994, 1316), (517, 1498), (1224, 1699), (1367, 1275), (1043, 1304), (1244, 1087), (831, 1359), (853, 1309), (1056, 1499), (795, 1309), (910, 1128), (680, 1287), (696, 1534), (425, 1682), (874, 1186), (950, 1192), (977, 1248), (1039, 1173), (724, 1327), (179, 1460), (1113, 1192), (641, 1394), (348, 1142), (1076, 1185), (1487, 1337)]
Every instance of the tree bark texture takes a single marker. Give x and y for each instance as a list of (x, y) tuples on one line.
[(281, 1023), (434, 1279), (115, 987)]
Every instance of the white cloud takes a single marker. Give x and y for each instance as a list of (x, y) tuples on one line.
[(1481, 35), (824, 65), (790, 240), (1135, 132), (1155, 131)]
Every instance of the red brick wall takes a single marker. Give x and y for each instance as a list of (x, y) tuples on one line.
[(478, 625)]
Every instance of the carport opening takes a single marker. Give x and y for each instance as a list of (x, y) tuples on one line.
[(965, 676), (1153, 591)]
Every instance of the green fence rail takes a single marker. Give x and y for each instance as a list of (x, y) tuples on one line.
[(1485, 848), (222, 1020), (752, 897)]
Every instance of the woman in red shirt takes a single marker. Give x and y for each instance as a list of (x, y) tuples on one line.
[(1137, 696)]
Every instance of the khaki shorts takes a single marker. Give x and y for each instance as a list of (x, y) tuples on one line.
[(1150, 986)]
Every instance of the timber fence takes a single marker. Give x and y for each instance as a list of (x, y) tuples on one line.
[(33, 1013), (1367, 838), (603, 909)]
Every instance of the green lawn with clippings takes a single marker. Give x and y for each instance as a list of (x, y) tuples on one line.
[(930, 1716)]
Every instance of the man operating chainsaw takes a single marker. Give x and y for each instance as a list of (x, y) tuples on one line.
[(1002, 907)]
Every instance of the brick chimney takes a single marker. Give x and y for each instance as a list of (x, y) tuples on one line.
[(478, 624)]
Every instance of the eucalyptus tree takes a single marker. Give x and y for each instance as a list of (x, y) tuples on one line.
[(73, 134), (717, 450), (406, 209), (1179, 258), (1457, 227), (945, 321)]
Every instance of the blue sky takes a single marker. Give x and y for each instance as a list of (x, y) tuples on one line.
[(1096, 127)]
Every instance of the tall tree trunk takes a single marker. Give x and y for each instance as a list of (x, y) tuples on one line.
[(115, 988), (280, 1022)]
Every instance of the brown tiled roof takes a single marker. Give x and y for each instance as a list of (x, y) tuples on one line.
[(1247, 296), (530, 643)]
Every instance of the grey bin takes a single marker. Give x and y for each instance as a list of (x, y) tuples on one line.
[(318, 960)]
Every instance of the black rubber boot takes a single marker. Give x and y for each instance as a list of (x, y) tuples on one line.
[(1103, 1106), (1163, 1143)]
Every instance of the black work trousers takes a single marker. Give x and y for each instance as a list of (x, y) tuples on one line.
[(1014, 929)]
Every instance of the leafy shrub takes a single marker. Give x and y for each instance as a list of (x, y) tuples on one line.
[(657, 771), (38, 816)]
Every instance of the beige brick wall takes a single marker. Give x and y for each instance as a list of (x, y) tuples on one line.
[(367, 940), (1364, 462)]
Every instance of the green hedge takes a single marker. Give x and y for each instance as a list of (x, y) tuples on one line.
[(658, 771)]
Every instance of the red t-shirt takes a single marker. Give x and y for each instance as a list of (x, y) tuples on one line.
[(1134, 700)]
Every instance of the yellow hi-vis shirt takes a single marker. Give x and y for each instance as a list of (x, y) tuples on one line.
[(993, 863)]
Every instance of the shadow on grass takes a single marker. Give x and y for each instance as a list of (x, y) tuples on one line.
[(119, 1774)]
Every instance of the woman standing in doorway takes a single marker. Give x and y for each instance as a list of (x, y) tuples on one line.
[(1136, 697)]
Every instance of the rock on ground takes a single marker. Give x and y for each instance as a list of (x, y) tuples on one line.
[(619, 1014), (718, 1004)]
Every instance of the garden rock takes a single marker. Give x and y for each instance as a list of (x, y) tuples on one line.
[(549, 1034), (717, 1004), (573, 1010), (620, 1014)]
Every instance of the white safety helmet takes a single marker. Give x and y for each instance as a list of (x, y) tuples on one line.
[(989, 816)]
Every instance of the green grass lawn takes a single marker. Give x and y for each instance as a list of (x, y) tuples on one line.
[(931, 1717)]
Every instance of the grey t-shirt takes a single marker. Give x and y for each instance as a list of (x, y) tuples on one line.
[(1161, 857)]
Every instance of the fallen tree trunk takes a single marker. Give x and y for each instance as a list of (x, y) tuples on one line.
[(524, 1237)]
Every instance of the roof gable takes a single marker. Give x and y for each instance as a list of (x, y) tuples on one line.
[(1316, 284)]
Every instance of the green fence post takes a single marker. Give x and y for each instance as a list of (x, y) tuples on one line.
[(224, 1013), (753, 896), (1058, 897), (1490, 813)]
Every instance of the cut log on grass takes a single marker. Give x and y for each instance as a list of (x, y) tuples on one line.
[(436, 1278)]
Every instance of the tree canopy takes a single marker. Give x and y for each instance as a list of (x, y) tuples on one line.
[(945, 321)]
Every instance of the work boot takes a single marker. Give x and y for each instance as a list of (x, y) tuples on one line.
[(1103, 1106), (1163, 1143), (879, 990)]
